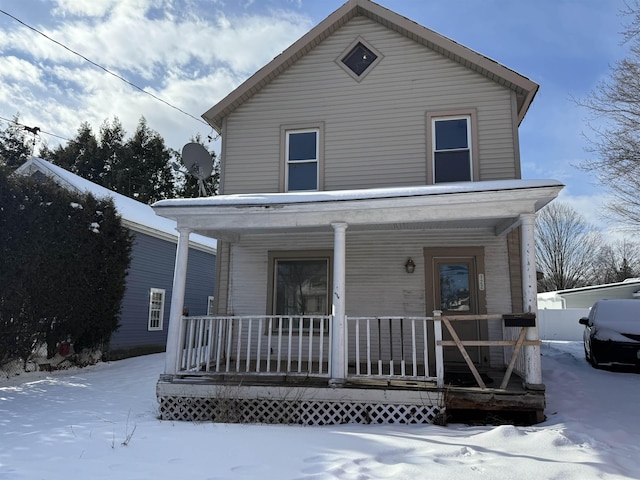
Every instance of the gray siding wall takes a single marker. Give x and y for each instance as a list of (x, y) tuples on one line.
[(152, 264), (376, 281), (375, 130)]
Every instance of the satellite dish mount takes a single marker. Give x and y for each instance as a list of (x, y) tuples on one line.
[(198, 162)]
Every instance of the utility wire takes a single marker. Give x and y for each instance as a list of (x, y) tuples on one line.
[(103, 68), (30, 129)]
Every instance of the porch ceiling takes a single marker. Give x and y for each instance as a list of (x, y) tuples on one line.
[(494, 205)]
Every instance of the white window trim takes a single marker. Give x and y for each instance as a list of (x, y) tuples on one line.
[(316, 160), (150, 323), (285, 131), (210, 305), (472, 138)]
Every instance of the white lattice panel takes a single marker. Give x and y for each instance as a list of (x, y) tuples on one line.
[(303, 412)]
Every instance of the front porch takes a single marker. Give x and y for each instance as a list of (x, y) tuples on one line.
[(277, 369), (371, 355)]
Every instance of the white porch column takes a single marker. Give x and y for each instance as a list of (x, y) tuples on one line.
[(533, 368), (177, 302), (338, 327)]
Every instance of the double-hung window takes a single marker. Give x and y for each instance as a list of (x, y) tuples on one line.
[(302, 160), (452, 146), (156, 309), (452, 149)]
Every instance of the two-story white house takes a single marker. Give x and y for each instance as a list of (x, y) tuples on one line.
[(373, 233)]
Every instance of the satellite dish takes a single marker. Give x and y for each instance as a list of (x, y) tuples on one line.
[(198, 162)]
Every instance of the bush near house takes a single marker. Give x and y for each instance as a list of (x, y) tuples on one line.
[(63, 263)]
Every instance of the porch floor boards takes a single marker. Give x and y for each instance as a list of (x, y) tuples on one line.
[(461, 391)]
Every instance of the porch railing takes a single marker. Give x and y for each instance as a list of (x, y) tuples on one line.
[(394, 347), (407, 348), (296, 345), (383, 347)]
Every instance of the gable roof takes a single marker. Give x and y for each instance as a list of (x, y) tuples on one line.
[(135, 215), (524, 88)]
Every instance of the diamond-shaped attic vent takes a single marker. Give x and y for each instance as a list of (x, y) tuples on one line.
[(359, 59)]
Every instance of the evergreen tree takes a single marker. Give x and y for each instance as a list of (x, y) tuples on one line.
[(14, 145), (138, 168), (145, 172), (111, 149), (63, 267), (80, 155)]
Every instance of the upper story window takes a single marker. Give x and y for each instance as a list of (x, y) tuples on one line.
[(452, 150), (359, 58), (452, 141), (302, 160)]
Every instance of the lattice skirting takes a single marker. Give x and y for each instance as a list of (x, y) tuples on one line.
[(302, 412)]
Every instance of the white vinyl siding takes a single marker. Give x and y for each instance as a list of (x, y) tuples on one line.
[(374, 130), (377, 283), (375, 268), (156, 309)]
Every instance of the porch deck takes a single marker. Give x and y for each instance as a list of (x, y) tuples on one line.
[(277, 370)]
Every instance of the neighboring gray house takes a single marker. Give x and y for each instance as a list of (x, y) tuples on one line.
[(373, 230), (144, 317)]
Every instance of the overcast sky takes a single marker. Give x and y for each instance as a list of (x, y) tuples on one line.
[(191, 53)]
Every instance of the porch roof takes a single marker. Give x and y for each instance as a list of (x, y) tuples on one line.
[(493, 204)]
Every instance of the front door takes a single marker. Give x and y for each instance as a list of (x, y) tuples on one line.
[(455, 285)]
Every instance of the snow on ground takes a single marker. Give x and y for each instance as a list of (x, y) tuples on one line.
[(101, 423)]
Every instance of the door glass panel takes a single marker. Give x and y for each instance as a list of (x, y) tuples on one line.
[(454, 287)]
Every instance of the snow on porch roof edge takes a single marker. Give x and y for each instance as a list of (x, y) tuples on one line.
[(255, 199)]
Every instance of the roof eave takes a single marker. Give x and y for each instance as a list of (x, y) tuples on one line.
[(524, 87)]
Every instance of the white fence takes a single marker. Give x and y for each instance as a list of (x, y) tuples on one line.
[(561, 324)]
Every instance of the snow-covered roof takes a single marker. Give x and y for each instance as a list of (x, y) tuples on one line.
[(253, 199), (135, 215), (496, 205), (625, 283)]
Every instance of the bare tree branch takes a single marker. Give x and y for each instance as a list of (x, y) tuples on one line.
[(616, 102)]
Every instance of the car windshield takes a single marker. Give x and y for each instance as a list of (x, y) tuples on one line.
[(620, 315)]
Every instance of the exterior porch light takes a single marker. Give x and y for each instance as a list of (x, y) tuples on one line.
[(410, 266)]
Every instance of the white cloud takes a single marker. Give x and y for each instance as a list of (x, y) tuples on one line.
[(14, 68), (169, 49), (93, 8)]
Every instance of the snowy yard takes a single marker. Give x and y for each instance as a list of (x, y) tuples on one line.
[(100, 423)]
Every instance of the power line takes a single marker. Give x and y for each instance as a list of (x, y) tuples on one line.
[(37, 131), (103, 68)]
